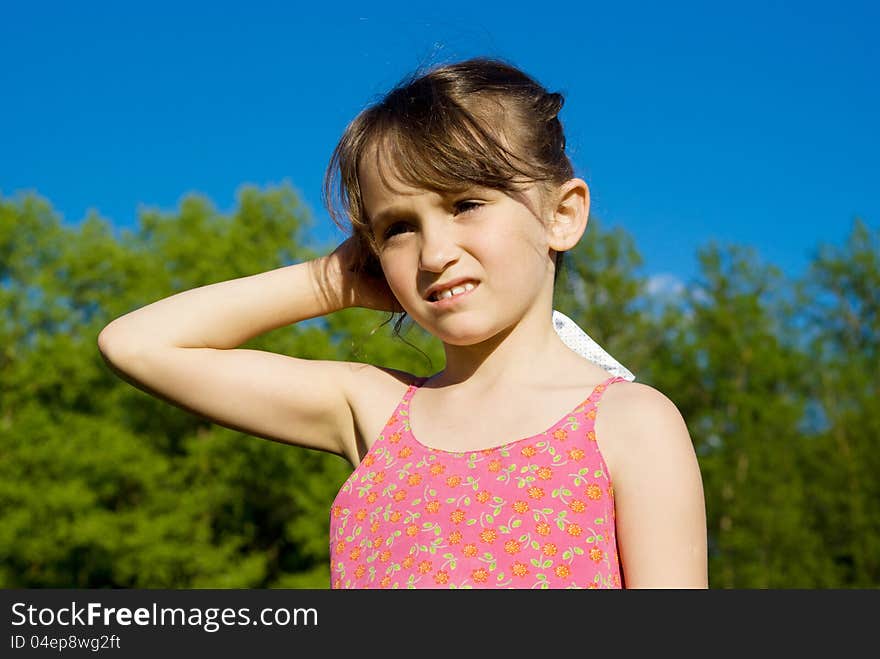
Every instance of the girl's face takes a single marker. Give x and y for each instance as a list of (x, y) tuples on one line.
[(494, 241)]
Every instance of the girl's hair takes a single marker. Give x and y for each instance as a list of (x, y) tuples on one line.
[(477, 122)]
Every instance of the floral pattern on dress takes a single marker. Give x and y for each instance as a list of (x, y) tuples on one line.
[(537, 512)]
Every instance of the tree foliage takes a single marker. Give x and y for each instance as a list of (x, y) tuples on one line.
[(102, 485)]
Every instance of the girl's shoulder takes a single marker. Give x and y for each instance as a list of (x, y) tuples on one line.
[(368, 379), (640, 425), (634, 397), (636, 406)]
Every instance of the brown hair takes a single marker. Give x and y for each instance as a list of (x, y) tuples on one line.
[(480, 122)]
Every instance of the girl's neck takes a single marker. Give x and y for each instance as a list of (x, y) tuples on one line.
[(511, 359)]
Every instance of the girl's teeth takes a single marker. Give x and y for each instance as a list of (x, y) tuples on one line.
[(455, 290)]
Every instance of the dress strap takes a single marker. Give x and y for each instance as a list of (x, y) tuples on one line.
[(602, 386), (411, 390)]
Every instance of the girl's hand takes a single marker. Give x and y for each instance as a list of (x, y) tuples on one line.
[(363, 284)]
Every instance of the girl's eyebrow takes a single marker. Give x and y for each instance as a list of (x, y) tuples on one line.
[(390, 213), (386, 215)]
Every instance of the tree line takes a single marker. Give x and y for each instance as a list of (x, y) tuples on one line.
[(102, 485)]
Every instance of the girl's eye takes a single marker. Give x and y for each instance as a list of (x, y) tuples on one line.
[(392, 230), (467, 206), (460, 207)]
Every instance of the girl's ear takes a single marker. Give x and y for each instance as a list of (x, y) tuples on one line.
[(569, 215)]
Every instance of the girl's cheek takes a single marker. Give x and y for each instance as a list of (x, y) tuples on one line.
[(395, 274)]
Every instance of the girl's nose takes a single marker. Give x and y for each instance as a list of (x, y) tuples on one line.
[(439, 248)]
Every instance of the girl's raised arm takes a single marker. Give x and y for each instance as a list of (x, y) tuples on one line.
[(183, 349)]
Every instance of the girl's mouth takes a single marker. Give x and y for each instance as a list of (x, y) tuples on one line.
[(459, 293)]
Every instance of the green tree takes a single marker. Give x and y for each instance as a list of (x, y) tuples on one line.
[(102, 484), (841, 322), (743, 403)]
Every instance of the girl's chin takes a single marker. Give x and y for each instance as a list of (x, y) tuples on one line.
[(458, 331)]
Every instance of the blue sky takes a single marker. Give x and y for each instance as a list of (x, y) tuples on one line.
[(753, 123)]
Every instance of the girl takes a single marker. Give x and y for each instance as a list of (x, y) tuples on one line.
[(497, 471)]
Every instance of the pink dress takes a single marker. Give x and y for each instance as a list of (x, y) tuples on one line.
[(537, 512)]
